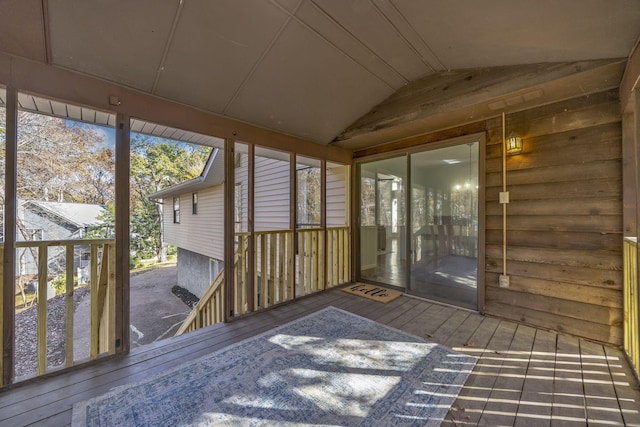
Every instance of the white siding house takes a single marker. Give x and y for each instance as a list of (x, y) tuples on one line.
[(198, 231)]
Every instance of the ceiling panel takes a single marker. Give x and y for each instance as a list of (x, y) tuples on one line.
[(507, 32), (215, 47), (366, 22), (120, 43), (326, 26), (22, 28), (305, 87)]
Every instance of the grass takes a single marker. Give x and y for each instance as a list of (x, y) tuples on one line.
[(150, 264), (144, 265)]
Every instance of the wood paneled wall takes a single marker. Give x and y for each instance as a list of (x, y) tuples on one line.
[(564, 219)]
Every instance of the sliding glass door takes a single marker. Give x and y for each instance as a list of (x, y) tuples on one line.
[(444, 224), (419, 229), (383, 221)]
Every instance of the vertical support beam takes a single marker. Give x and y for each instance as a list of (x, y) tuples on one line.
[(293, 216), (229, 229), (69, 308), (323, 221), (251, 252), (122, 302), (8, 261), (636, 300), (408, 212), (94, 310), (355, 220), (42, 308)]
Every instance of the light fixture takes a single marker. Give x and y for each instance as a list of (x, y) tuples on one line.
[(513, 144)]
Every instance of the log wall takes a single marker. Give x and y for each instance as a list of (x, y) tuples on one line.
[(564, 219)]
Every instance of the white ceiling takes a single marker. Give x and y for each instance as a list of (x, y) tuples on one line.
[(309, 68)]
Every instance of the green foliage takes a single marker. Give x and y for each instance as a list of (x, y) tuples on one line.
[(60, 283), (157, 163)]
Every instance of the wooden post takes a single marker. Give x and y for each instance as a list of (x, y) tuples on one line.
[(122, 302), (293, 216), (8, 271), (272, 267), (94, 310), (323, 222), (264, 280), (252, 291), (229, 229), (69, 308), (42, 309), (291, 260)]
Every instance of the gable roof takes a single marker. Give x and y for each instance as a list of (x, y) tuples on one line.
[(79, 215)]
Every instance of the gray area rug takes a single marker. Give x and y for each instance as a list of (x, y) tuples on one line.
[(329, 368)]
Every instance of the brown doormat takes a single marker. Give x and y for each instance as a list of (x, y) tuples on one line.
[(373, 292)]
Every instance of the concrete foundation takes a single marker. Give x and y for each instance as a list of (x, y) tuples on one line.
[(196, 271)]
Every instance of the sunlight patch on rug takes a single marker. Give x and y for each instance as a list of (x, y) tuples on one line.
[(329, 368)]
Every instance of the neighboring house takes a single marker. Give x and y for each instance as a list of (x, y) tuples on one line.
[(55, 221), (193, 217)]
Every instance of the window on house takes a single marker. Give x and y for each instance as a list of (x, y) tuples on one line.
[(176, 210), (194, 203)]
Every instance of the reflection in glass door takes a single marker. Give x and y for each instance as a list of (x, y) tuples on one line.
[(383, 221), (431, 246), (444, 224)]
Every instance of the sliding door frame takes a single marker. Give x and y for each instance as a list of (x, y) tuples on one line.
[(481, 138)]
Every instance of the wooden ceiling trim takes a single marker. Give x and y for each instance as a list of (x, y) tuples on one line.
[(631, 79)]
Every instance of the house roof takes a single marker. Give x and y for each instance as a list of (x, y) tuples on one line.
[(76, 214), (212, 174), (309, 68)]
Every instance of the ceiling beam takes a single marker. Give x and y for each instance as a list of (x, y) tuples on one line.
[(631, 79), (441, 101)]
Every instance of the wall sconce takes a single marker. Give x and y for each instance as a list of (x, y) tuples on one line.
[(514, 144)]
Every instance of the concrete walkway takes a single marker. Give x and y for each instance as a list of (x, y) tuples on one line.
[(156, 313)]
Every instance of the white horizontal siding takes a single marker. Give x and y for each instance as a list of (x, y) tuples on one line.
[(202, 233), (272, 178), (337, 202)]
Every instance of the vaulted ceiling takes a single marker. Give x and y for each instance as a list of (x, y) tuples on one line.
[(309, 68)]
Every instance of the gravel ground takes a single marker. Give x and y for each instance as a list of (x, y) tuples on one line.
[(26, 356), (187, 297)]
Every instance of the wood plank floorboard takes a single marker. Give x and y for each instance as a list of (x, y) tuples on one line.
[(523, 376)]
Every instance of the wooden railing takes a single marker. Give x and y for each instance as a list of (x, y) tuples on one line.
[(338, 256), (310, 261), (102, 294), (209, 310), (282, 271), (631, 303)]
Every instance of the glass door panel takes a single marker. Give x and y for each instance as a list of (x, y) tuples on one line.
[(383, 221), (444, 224)]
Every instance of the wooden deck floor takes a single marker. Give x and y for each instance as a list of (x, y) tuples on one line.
[(524, 376)]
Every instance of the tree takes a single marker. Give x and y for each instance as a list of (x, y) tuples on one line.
[(156, 164), (57, 160)]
